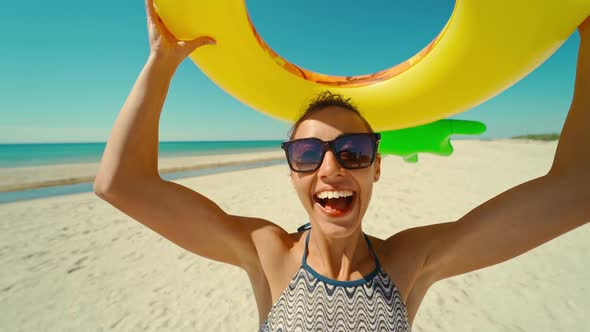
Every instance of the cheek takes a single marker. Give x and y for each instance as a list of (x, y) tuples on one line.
[(365, 182), (301, 184)]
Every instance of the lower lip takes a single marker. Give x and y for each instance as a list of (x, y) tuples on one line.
[(336, 213)]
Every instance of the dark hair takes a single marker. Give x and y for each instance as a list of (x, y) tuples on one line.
[(324, 100)]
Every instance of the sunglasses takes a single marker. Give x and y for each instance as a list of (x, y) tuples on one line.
[(353, 151)]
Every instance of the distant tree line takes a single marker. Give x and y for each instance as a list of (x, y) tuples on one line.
[(539, 137)]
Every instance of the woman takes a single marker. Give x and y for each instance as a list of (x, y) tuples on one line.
[(336, 278)]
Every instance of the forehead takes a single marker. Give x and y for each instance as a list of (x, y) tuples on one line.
[(328, 123)]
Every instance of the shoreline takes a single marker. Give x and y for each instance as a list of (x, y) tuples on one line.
[(16, 179)]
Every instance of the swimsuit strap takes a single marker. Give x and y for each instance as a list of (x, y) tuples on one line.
[(303, 227), (377, 264), (304, 258), (371, 249)]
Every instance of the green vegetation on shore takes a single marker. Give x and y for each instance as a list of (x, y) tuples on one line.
[(539, 137)]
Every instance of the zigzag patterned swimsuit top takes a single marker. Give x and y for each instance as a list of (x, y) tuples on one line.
[(313, 302)]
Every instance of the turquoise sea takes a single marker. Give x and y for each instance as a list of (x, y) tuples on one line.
[(22, 155)]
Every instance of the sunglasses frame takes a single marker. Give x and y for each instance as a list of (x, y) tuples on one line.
[(329, 145)]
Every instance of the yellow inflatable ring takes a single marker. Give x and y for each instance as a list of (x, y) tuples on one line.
[(485, 47)]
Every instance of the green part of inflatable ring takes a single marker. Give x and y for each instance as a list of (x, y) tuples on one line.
[(432, 138)]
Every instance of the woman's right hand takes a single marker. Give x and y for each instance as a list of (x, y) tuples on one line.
[(163, 45)]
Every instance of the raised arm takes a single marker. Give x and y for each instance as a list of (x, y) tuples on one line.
[(128, 176), (525, 216)]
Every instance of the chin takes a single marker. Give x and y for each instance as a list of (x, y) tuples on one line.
[(337, 227)]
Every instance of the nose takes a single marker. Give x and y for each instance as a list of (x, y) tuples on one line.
[(330, 166)]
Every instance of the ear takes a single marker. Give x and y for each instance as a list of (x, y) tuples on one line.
[(377, 168)]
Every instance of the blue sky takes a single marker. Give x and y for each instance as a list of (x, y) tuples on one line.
[(67, 67)]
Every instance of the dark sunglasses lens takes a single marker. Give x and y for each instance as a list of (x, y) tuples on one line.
[(355, 151), (305, 155)]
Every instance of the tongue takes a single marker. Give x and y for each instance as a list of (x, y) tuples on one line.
[(338, 204)]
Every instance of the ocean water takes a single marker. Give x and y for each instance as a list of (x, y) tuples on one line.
[(78, 188), (22, 155)]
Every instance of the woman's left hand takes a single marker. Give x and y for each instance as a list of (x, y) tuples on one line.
[(163, 45)]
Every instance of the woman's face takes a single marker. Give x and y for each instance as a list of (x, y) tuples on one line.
[(337, 217)]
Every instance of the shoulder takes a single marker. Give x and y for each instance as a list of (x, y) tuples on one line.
[(277, 249), (272, 236), (269, 238), (404, 256), (279, 257)]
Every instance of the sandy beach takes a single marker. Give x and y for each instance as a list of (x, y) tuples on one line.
[(74, 263), (22, 178)]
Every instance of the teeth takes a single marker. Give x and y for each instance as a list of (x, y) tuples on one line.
[(334, 194)]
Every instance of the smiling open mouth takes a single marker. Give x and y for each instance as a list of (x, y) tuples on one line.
[(335, 202)]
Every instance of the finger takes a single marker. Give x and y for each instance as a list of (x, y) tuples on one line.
[(156, 20), (164, 31), (153, 16), (466, 127), (150, 11), (200, 41)]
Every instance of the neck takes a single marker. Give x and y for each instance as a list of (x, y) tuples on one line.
[(345, 258)]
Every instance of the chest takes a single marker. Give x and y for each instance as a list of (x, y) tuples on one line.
[(311, 302)]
